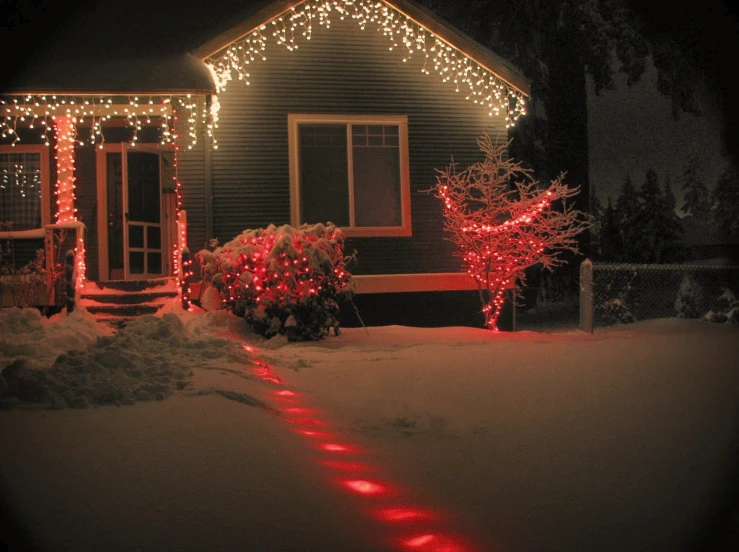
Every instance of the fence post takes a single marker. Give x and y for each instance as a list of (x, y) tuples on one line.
[(69, 280), (586, 296)]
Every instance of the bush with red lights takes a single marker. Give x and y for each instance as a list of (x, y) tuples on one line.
[(282, 280), (503, 222)]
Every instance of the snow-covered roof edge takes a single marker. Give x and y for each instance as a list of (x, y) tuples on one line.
[(500, 67)]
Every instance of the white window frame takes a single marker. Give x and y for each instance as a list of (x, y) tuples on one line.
[(294, 120), (43, 152)]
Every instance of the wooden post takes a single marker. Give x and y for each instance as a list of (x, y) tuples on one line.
[(69, 280)]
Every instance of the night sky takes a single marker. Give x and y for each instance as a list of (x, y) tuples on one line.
[(631, 130)]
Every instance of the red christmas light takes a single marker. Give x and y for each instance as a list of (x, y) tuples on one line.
[(503, 222)]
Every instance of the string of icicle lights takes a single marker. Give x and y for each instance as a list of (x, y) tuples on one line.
[(39, 112), (469, 77)]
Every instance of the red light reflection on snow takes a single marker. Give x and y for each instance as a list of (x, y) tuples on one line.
[(395, 515), (345, 466), (290, 410), (365, 487), (418, 542), (334, 447), (265, 374), (299, 410), (304, 421), (432, 542), (311, 433)]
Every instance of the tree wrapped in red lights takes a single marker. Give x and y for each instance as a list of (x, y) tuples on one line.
[(282, 280), (503, 222)]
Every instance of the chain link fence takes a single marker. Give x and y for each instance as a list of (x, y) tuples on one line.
[(622, 293)]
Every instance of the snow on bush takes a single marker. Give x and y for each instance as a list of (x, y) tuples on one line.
[(72, 361), (725, 309), (282, 281), (689, 298), (614, 311)]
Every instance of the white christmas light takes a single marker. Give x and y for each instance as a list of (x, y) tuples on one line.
[(478, 83), (93, 111)]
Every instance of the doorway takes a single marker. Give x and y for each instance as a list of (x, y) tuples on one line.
[(136, 214)]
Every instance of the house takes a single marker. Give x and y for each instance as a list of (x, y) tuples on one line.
[(302, 111)]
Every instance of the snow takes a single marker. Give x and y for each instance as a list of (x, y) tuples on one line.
[(527, 441)]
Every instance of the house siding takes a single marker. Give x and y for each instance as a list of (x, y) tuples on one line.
[(192, 166), (85, 171), (341, 70)]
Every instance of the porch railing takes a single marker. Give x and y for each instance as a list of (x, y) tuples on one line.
[(53, 266)]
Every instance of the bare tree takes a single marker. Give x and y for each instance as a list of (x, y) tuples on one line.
[(503, 221)]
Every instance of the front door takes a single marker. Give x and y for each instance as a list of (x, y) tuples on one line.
[(143, 254)]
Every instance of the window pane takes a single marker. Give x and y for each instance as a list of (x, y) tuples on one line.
[(20, 190), (377, 186), (154, 263), (143, 186), (136, 262), (135, 236), (154, 237), (324, 185)]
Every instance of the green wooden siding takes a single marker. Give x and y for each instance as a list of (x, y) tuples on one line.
[(342, 70)]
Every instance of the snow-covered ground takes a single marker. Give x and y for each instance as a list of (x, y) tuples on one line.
[(190, 433)]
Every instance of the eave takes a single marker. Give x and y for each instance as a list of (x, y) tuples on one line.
[(469, 47)]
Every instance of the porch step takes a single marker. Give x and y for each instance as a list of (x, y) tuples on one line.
[(117, 302), (129, 298), (124, 310), (131, 285)]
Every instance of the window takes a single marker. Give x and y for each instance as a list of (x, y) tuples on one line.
[(23, 185), (352, 171)]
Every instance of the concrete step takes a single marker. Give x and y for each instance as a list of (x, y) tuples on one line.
[(123, 310), (128, 298), (132, 285)]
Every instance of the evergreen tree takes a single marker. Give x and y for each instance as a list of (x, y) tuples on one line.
[(696, 199), (670, 201), (656, 223), (610, 243), (645, 221), (725, 200), (627, 209), (596, 214), (557, 46), (673, 249)]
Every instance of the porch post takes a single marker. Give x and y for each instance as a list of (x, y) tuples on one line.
[(65, 133)]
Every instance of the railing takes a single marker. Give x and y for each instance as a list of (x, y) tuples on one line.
[(29, 283), (622, 293)]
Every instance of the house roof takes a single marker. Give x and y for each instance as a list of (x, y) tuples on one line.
[(163, 74), (442, 29), (101, 51)]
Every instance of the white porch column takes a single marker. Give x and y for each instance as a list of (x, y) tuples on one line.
[(65, 132)]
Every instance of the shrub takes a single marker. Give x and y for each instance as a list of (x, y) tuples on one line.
[(503, 222), (614, 311), (724, 309), (690, 297), (282, 280)]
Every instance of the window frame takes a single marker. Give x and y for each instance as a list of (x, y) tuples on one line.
[(43, 153), (401, 121)]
